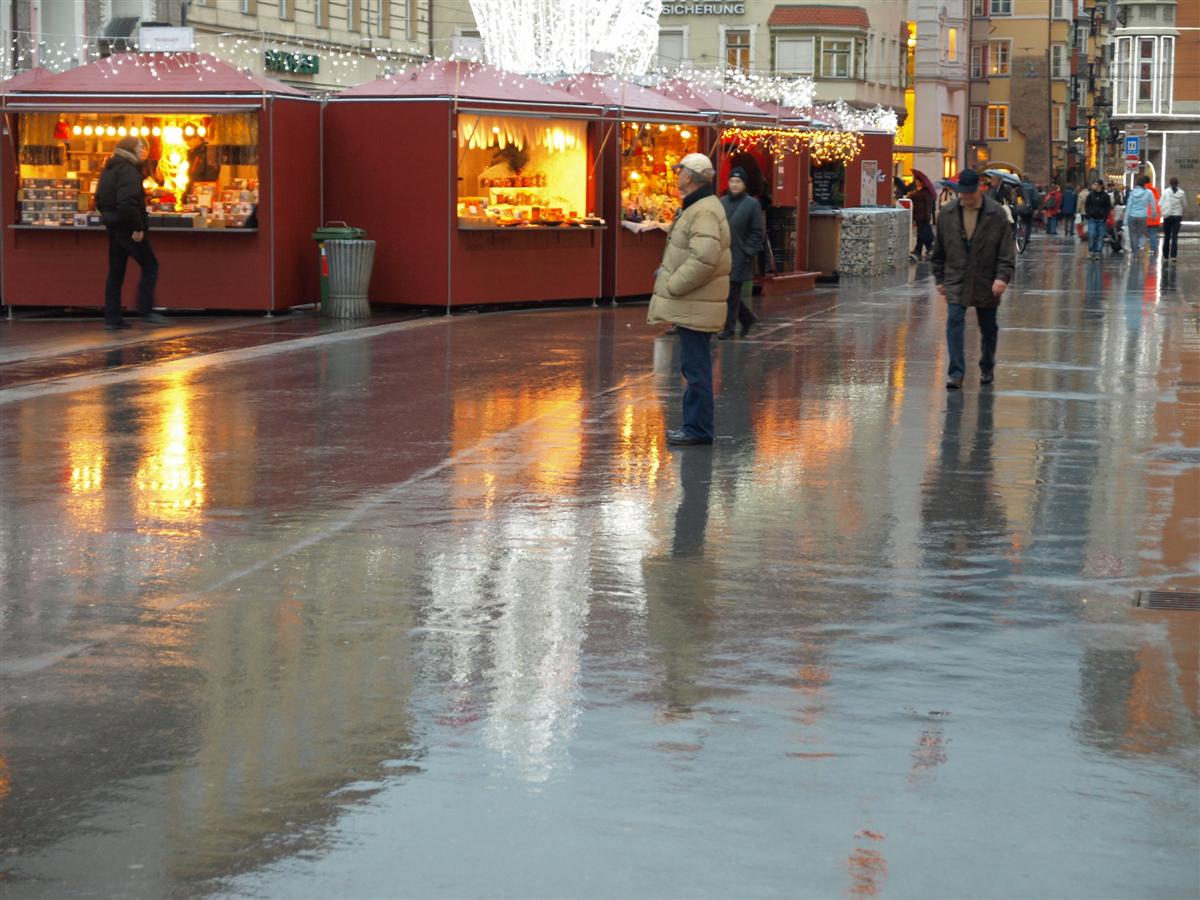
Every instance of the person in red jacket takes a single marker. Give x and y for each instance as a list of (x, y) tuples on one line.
[(1050, 207), (1154, 219)]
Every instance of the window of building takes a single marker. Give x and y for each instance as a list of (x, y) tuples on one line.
[(979, 8), (1060, 123), (951, 44), (1002, 8), (1147, 13), (286, 8), (737, 49), (872, 70), (977, 70), (997, 122), (974, 123), (998, 57), (1059, 61), (1124, 73), (836, 57), (354, 15), (672, 48), (1145, 70), (794, 56), (412, 19), (1060, 8), (1166, 74), (949, 146), (321, 13)]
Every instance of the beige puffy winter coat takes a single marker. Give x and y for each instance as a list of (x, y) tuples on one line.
[(693, 283)]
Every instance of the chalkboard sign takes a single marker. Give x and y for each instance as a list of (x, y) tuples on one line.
[(828, 185)]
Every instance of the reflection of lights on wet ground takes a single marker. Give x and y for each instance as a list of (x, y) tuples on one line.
[(170, 480)]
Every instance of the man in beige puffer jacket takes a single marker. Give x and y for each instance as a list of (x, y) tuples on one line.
[(690, 291)]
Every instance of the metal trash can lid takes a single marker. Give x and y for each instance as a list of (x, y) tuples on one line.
[(339, 231)]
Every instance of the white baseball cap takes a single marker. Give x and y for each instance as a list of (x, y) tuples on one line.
[(697, 164)]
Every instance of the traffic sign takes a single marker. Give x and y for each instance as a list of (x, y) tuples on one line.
[(1132, 163), (1133, 145), (1136, 128)]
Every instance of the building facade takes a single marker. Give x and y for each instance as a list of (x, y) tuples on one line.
[(1155, 52)]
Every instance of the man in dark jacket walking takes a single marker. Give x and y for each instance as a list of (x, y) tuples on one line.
[(1096, 208), (974, 258), (922, 213), (746, 233), (122, 205)]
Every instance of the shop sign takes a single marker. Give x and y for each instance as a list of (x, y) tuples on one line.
[(292, 63), (162, 39), (670, 8), (1137, 128)]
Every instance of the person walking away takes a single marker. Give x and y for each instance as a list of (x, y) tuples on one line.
[(746, 233), (691, 291), (1154, 219), (1137, 211), (121, 201), (974, 258), (1174, 204), (922, 213), (1067, 207), (1096, 208), (1051, 206)]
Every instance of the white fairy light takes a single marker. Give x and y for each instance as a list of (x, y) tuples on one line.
[(559, 36)]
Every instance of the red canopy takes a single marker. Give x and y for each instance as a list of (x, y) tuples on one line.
[(26, 77), (707, 99), (605, 90), (458, 79), (158, 73)]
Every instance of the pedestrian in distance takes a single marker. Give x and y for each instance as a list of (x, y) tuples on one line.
[(1067, 207), (1051, 206), (974, 258), (1096, 208), (1174, 204), (691, 291), (746, 235), (1154, 219), (1138, 206), (121, 201), (922, 213)]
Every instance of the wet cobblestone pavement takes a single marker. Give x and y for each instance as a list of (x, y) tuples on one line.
[(430, 609)]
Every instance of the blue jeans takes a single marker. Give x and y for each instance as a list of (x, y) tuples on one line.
[(1096, 229), (956, 323), (695, 355), (1051, 224)]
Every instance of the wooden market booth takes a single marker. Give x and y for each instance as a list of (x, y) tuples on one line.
[(241, 241), (481, 186), (645, 133)]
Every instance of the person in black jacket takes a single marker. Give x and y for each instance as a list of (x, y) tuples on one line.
[(746, 233), (1096, 208), (122, 205)]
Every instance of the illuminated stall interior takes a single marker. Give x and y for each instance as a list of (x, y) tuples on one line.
[(522, 172), (648, 150), (202, 170)]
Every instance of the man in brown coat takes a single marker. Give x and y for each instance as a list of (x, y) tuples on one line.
[(974, 258), (691, 289)]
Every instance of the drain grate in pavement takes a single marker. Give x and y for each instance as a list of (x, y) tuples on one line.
[(1189, 600)]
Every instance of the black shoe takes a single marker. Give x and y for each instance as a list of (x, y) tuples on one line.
[(954, 384), (724, 334), (153, 318), (747, 326), (987, 377), (681, 438), (117, 326)]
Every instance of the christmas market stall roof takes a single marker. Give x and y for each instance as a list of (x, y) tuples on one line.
[(709, 100), (608, 91), (26, 77), (130, 74), (459, 80)]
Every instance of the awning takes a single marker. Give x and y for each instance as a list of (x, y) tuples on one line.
[(915, 148)]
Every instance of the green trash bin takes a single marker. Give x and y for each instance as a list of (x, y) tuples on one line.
[(333, 231)]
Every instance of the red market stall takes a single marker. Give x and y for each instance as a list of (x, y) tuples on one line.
[(237, 237), (480, 186), (645, 133)]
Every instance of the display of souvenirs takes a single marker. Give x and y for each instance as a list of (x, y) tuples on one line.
[(48, 201), (648, 150)]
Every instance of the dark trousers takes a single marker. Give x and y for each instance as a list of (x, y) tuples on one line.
[(122, 246), (736, 310), (924, 238), (695, 357), (1171, 236), (956, 326)]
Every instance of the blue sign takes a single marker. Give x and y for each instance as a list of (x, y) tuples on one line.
[(1133, 145)]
